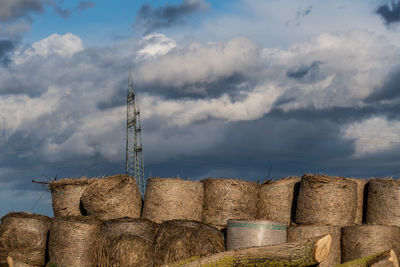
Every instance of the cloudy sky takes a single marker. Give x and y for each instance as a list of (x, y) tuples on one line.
[(226, 89)]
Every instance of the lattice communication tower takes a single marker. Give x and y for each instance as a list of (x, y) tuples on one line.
[(134, 155)]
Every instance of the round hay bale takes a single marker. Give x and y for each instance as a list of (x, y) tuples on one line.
[(73, 241), (365, 240), (326, 200), (383, 202), (302, 232), (247, 233), (177, 240), (23, 236), (139, 227), (126, 250), (173, 199), (361, 185), (113, 197), (226, 199), (66, 196), (277, 198)]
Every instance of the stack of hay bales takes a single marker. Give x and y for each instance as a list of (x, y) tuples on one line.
[(382, 218), (127, 242), (226, 199), (23, 237), (324, 205), (173, 199)]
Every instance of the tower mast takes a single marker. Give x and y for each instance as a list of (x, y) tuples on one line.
[(134, 155)]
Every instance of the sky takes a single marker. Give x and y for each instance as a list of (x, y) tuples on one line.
[(248, 89)]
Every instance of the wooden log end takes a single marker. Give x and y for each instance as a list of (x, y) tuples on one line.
[(393, 258), (322, 248)]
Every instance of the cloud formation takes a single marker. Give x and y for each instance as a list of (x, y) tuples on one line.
[(13, 9), (150, 18), (389, 12)]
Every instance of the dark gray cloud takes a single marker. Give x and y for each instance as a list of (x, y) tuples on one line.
[(13, 9), (389, 90), (303, 13), (67, 12), (6, 47), (150, 18), (305, 73), (389, 12)]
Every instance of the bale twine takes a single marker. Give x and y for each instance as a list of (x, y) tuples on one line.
[(173, 199), (66, 196), (326, 200), (177, 240), (139, 227), (303, 232), (113, 197), (361, 185), (23, 237), (226, 199), (126, 250), (364, 240), (276, 200), (383, 202), (73, 241), (247, 233)]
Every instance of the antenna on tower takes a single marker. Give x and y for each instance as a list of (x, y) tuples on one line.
[(134, 156)]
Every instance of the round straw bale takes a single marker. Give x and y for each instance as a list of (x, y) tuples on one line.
[(23, 236), (277, 198), (143, 228), (383, 202), (365, 240), (226, 199), (361, 184), (253, 233), (73, 240), (302, 232), (326, 200), (126, 250), (66, 196), (113, 197), (177, 240), (173, 199)]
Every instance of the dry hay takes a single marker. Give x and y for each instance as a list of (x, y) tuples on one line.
[(361, 185), (113, 197), (125, 250), (383, 202), (72, 241), (276, 200), (23, 236), (173, 199), (303, 232), (364, 240), (139, 227), (177, 240), (326, 200), (226, 199), (252, 233), (66, 196)]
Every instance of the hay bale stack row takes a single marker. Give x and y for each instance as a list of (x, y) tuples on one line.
[(23, 237)]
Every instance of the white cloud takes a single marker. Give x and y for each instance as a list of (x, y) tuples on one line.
[(154, 45), (373, 135)]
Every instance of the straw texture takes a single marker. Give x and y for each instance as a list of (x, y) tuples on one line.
[(303, 232), (23, 237), (276, 200), (361, 185), (226, 199), (173, 199), (143, 228), (66, 196), (252, 233), (383, 202), (73, 240), (126, 250), (177, 240), (365, 240), (326, 200), (113, 197)]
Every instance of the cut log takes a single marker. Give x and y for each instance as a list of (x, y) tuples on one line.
[(387, 258), (305, 253)]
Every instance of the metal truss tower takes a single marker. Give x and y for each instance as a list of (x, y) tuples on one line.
[(134, 156)]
